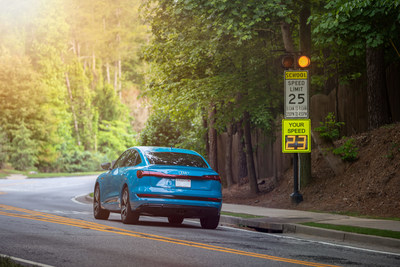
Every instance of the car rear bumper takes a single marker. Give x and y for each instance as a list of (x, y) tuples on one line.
[(185, 211)]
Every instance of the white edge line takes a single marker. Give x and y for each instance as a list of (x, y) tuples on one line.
[(26, 261), (315, 241)]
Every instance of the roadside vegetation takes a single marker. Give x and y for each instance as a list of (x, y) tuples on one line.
[(28, 174), (357, 230), (7, 262)]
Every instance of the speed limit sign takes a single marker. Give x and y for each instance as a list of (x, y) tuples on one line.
[(296, 94)]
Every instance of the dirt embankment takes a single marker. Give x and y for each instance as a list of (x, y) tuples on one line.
[(368, 186)]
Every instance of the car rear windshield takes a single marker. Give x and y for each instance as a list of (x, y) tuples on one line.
[(173, 158)]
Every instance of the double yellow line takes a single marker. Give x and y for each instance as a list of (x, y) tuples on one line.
[(46, 217)]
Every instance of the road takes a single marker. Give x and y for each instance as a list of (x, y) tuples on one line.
[(41, 221)]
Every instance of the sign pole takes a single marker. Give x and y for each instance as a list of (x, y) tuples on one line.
[(296, 196)]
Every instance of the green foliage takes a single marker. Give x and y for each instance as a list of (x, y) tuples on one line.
[(114, 137), (329, 129), (80, 161), (23, 151), (8, 262), (212, 53), (348, 151), (4, 147), (343, 29), (161, 130), (393, 150), (74, 127)]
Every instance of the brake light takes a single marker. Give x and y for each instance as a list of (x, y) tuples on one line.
[(141, 174), (212, 177)]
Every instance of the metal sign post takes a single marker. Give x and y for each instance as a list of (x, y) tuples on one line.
[(296, 127)]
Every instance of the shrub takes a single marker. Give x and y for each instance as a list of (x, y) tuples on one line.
[(348, 151), (329, 129)]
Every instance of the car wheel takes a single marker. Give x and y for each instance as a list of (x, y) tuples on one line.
[(127, 215), (98, 212), (210, 222), (175, 220)]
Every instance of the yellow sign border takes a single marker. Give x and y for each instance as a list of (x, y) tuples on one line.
[(307, 133), (289, 73)]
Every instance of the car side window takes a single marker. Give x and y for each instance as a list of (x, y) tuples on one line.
[(121, 160), (138, 159), (133, 159)]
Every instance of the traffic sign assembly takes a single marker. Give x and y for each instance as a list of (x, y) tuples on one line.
[(296, 94)]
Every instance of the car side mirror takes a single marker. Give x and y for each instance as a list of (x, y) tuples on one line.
[(106, 166)]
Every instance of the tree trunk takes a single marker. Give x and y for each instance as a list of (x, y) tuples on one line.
[(251, 170), (378, 102), (212, 139), (120, 78), (108, 73), (73, 109), (287, 37), (242, 166), (228, 157), (116, 77), (205, 125)]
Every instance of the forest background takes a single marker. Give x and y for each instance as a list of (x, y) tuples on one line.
[(68, 70)]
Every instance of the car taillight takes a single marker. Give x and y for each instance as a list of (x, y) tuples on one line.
[(212, 177), (141, 174)]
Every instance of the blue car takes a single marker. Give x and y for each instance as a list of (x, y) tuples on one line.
[(159, 181)]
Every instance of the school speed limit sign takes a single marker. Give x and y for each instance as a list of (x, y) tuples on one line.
[(296, 94)]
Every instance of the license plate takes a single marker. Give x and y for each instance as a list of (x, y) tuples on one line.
[(183, 183)]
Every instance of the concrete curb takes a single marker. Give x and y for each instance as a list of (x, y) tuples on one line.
[(272, 227)]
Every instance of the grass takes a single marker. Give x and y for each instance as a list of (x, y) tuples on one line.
[(6, 172), (358, 230), (355, 214), (60, 174), (241, 215), (7, 262)]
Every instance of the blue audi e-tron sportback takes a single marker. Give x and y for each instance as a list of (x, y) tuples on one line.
[(159, 181)]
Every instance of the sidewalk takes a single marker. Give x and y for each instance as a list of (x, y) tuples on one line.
[(288, 221)]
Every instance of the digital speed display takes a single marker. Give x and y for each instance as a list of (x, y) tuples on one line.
[(296, 142), (296, 136)]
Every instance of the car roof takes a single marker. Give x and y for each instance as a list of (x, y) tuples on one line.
[(144, 149)]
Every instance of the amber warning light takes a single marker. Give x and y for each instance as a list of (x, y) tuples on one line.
[(304, 61)]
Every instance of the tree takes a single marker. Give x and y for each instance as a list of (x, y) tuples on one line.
[(210, 52), (363, 28), (23, 151)]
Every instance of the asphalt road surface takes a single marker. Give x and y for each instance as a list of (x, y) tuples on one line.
[(41, 221)]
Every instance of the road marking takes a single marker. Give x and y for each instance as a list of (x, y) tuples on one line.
[(315, 241), (51, 218), (26, 261)]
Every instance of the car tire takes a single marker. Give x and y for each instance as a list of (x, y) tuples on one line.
[(175, 220), (210, 222), (98, 211), (127, 215)]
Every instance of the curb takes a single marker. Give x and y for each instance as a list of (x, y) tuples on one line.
[(272, 227), (342, 236)]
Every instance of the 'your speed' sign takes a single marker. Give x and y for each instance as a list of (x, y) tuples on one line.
[(296, 94)]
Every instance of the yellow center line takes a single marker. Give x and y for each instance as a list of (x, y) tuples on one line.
[(46, 217)]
